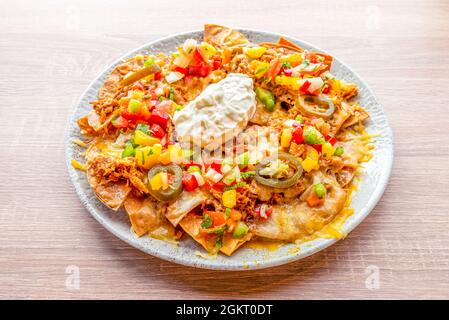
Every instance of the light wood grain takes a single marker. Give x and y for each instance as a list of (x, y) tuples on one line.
[(50, 51)]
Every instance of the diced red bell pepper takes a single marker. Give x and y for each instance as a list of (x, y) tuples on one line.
[(216, 64), (184, 71), (157, 131), (158, 75), (189, 182), (159, 117), (120, 122), (330, 139), (317, 147), (305, 86), (297, 136)]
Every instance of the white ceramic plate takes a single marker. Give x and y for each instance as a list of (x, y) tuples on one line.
[(374, 180)]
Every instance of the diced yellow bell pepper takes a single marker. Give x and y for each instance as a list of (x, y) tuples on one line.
[(148, 156), (313, 154), (156, 181), (144, 139), (137, 94), (310, 164), (286, 137), (290, 82), (294, 59), (327, 150), (229, 198), (261, 69), (254, 52), (207, 49), (173, 154)]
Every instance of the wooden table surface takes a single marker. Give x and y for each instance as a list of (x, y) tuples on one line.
[(50, 51)]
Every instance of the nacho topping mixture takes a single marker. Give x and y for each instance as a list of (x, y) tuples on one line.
[(226, 141)]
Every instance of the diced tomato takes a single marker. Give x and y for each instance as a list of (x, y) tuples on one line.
[(216, 64), (157, 131), (159, 117), (138, 116), (287, 72), (305, 86), (120, 122), (217, 218), (317, 147), (198, 57), (215, 164), (201, 70), (158, 75), (189, 182), (297, 136), (219, 186), (330, 139), (184, 71)]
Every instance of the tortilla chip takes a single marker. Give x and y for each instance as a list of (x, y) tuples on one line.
[(359, 116), (111, 84), (192, 225), (230, 244), (112, 194), (222, 36), (184, 204), (290, 45), (289, 222), (143, 214)]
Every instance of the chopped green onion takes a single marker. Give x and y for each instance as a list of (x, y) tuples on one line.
[(207, 222), (227, 213), (219, 242), (286, 65), (320, 190), (339, 151), (143, 127), (240, 184), (218, 230), (247, 174), (149, 62)]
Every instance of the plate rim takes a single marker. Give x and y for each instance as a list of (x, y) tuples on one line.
[(249, 265)]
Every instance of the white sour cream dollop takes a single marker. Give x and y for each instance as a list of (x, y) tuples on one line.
[(219, 113)]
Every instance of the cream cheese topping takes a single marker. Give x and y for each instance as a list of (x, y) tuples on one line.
[(219, 113)]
